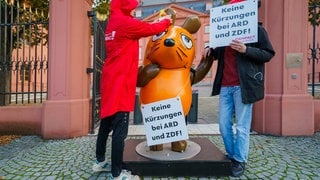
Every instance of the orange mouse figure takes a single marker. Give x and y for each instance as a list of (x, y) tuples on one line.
[(166, 71)]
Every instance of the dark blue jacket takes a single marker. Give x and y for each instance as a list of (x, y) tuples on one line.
[(250, 67)]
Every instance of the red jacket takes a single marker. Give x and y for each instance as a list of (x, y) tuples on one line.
[(120, 69)]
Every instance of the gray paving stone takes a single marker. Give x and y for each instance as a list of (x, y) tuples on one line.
[(270, 157)]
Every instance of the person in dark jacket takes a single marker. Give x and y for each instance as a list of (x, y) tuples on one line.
[(240, 82)]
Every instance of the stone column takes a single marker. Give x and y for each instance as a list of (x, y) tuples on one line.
[(287, 108), (66, 112)]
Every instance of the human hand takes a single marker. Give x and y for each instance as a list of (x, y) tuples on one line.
[(169, 17), (206, 52), (238, 46)]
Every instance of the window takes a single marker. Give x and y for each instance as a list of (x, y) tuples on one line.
[(208, 5), (206, 44), (25, 71), (207, 29), (138, 13)]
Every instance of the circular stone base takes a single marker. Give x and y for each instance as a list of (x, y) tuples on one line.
[(167, 154)]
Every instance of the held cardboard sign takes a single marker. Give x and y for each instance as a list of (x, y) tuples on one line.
[(238, 21), (164, 121)]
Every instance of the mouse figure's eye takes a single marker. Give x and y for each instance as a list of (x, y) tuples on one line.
[(158, 36), (186, 41)]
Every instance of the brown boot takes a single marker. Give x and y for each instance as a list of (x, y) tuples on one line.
[(158, 147), (179, 146)]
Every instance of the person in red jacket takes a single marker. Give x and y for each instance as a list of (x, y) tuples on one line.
[(119, 78)]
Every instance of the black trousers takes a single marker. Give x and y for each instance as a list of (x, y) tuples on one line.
[(118, 123)]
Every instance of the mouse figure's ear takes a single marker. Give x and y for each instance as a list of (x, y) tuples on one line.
[(192, 24), (169, 11)]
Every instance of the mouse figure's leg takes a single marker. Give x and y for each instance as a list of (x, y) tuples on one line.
[(179, 146), (158, 147)]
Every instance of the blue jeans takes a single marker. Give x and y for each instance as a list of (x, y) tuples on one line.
[(230, 104)]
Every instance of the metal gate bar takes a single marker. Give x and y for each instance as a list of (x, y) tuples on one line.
[(96, 69)]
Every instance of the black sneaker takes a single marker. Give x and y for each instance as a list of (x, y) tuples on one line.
[(231, 159), (237, 168)]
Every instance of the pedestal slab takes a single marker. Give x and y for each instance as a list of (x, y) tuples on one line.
[(167, 154), (209, 161)]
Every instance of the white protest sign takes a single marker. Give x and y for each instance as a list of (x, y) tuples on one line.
[(238, 21), (164, 121)]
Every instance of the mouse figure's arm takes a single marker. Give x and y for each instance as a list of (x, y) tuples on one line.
[(203, 68), (147, 73)]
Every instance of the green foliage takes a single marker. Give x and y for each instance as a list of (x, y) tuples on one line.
[(39, 5), (314, 12), (226, 1), (102, 8), (31, 13)]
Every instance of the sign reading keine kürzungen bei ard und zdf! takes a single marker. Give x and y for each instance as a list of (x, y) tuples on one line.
[(164, 121), (237, 21)]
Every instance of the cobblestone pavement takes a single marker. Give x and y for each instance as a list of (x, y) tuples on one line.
[(271, 157)]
